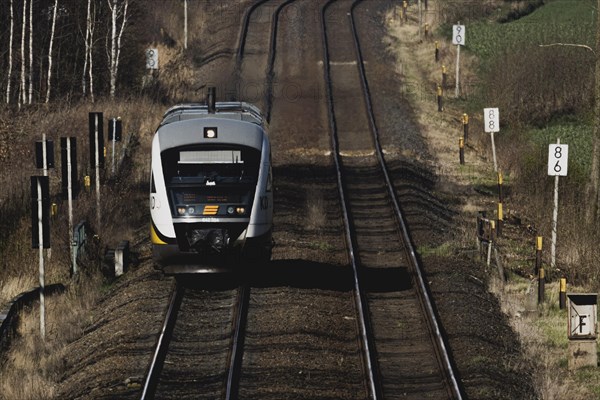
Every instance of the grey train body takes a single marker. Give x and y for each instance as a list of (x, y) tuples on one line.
[(211, 189)]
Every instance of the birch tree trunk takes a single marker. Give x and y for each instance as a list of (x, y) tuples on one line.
[(10, 53), (91, 27), (49, 83), (113, 47), (22, 94), (87, 51), (185, 24), (116, 40), (30, 51)]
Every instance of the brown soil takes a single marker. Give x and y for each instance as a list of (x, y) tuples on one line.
[(295, 305)]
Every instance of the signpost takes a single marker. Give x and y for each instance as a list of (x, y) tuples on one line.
[(558, 163), (458, 38), (96, 132), (68, 147), (115, 128), (491, 122), (40, 233), (152, 59)]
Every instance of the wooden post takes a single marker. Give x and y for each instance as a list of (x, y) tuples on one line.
[(538, 254), (465, 120), (500, 220), (562, 299), (444, 77), (541, 285)]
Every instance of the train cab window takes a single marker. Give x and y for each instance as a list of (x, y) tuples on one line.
[(208, 175)]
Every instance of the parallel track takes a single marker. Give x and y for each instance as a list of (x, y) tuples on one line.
[(356, 190)]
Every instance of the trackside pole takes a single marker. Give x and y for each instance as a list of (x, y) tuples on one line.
[(70, 200), (41, 252), (97, 160)]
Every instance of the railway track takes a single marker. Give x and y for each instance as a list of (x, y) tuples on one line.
[(404, 349), (224, 340), (199, 350)]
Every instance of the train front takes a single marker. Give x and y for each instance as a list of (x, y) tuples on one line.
[(211, 193)]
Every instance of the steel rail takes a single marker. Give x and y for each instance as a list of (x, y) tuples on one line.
[(162, 344), (367, 340), (244, 31), (456, 390), (237, 343), (272, 55)]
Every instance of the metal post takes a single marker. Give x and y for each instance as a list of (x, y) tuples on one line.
[(114, 139), (494, 151), (185, 29), (41, 251), (70, 200), (554, 222), (44, 155), (466, 127), (97, 160), (437, 51), (457, 90)]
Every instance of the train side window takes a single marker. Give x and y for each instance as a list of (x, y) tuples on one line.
[(152, 185)]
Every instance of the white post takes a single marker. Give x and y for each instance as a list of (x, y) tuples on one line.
[(70, 200), (41, 251), (114, 124), (494, 152), (44, 155), (457, 90), (420, 17), (185, 24), (97, 156), (554, 222)]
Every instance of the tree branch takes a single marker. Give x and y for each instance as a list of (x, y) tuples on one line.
[(569, 45)]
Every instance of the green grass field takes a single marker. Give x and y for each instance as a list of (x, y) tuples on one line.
[(563, 21)]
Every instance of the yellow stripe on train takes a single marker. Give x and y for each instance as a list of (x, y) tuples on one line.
[(211, 210), (154, 237)]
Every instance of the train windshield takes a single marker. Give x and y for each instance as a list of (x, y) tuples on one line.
[(202, 175)]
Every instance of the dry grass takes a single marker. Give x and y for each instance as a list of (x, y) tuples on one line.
[(542, 331)]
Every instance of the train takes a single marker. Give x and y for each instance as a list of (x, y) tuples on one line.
[(211, 187)]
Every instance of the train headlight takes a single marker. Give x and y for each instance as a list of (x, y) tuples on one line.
[(241, 210), (230, 210), (181, 210), (210, 133)]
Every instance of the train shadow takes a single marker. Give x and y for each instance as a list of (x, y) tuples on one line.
[(302, 274)]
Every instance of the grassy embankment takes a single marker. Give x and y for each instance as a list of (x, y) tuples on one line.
[(544, 93)]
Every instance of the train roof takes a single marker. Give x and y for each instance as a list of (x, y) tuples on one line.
[(241, 111)]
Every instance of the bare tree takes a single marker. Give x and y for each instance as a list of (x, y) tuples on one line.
[(49, 84), (22, 94), (116, 40), (30, 76), (10, 53)]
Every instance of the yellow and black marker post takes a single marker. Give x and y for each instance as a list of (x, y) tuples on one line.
[(437, 51), (562, 299), (404, 10), (461, 150), (541, 285), (500, 202), (440, 93), (87, 182), (444, 77), (465, 121), (538, 254), (426, 31)]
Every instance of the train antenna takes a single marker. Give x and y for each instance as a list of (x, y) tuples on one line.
[(211, 100)]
